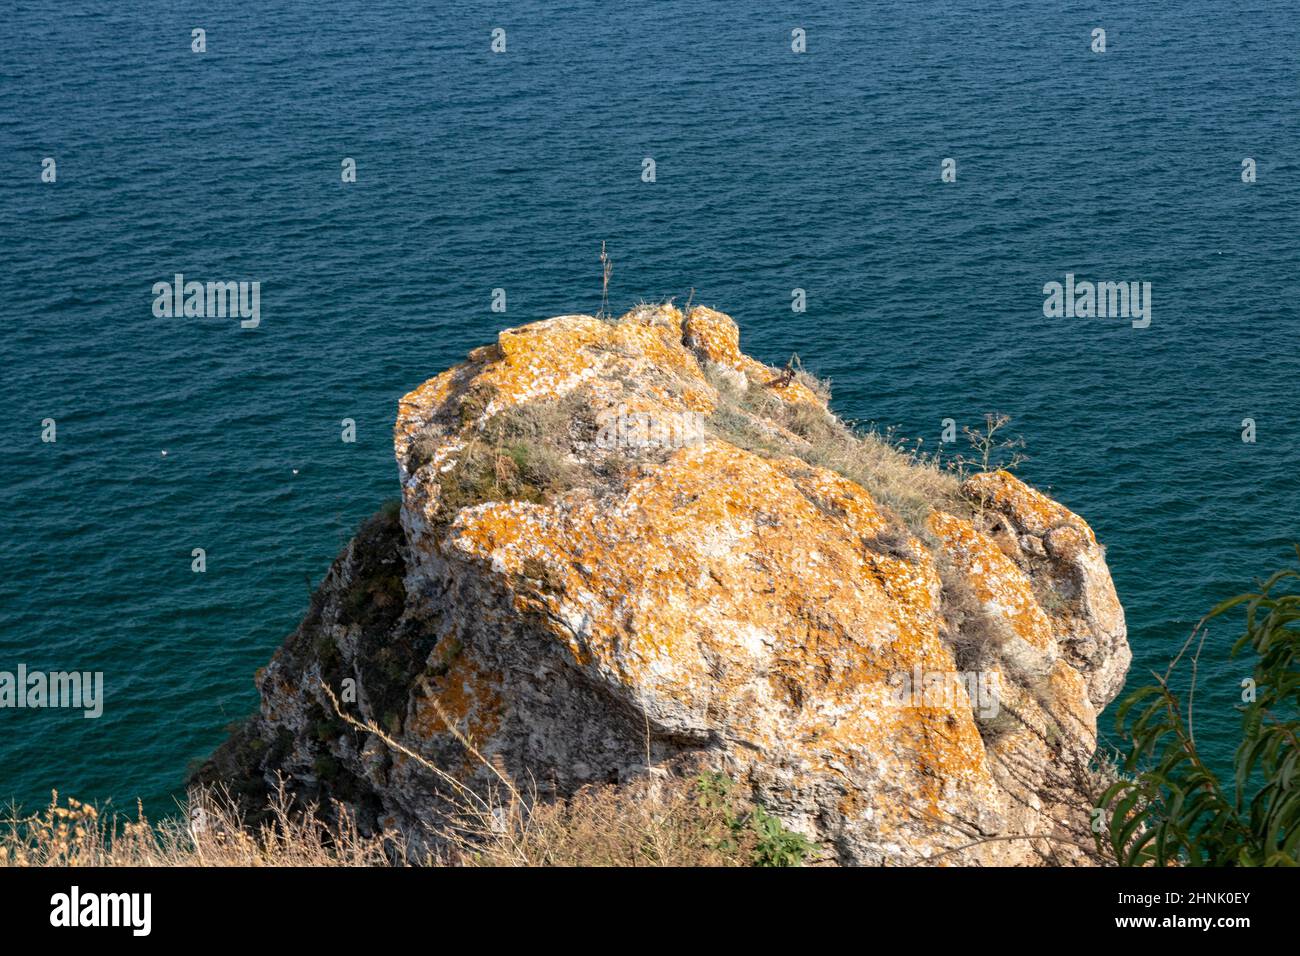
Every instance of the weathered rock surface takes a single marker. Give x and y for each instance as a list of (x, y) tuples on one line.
[(617, 543)]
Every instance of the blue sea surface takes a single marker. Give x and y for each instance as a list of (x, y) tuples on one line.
[(478, 170)]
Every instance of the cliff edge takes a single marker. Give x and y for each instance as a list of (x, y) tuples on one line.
[(625, 547)]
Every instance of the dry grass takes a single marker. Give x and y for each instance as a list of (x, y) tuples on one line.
[(903, 478), (647, 823), (211, 832), (650, 823)]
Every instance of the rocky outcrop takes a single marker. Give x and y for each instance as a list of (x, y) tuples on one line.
[(625, 545)]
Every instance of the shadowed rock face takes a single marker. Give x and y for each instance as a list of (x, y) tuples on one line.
[(589, 570)]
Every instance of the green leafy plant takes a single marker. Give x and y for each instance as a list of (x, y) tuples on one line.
[(769, 842), (1173, 809), (776, 846)]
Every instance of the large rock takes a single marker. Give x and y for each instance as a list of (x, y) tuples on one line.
[(617, 546)]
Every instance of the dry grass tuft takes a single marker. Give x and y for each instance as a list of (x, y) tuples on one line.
[(904, 479), (647, 823)]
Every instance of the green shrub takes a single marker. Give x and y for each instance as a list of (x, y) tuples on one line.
[(1174, 809), (769, 842)]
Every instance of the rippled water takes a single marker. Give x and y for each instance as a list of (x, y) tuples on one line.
[(479, 171)]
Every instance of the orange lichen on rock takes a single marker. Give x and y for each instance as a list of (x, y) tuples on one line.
[(549, 359), (737, 597), (464, 695), (1035, 512), (1003, 589), (1060, 552), (416, 409)]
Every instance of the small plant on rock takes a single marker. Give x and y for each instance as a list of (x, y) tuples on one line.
[(768, 840), (993, 450)]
